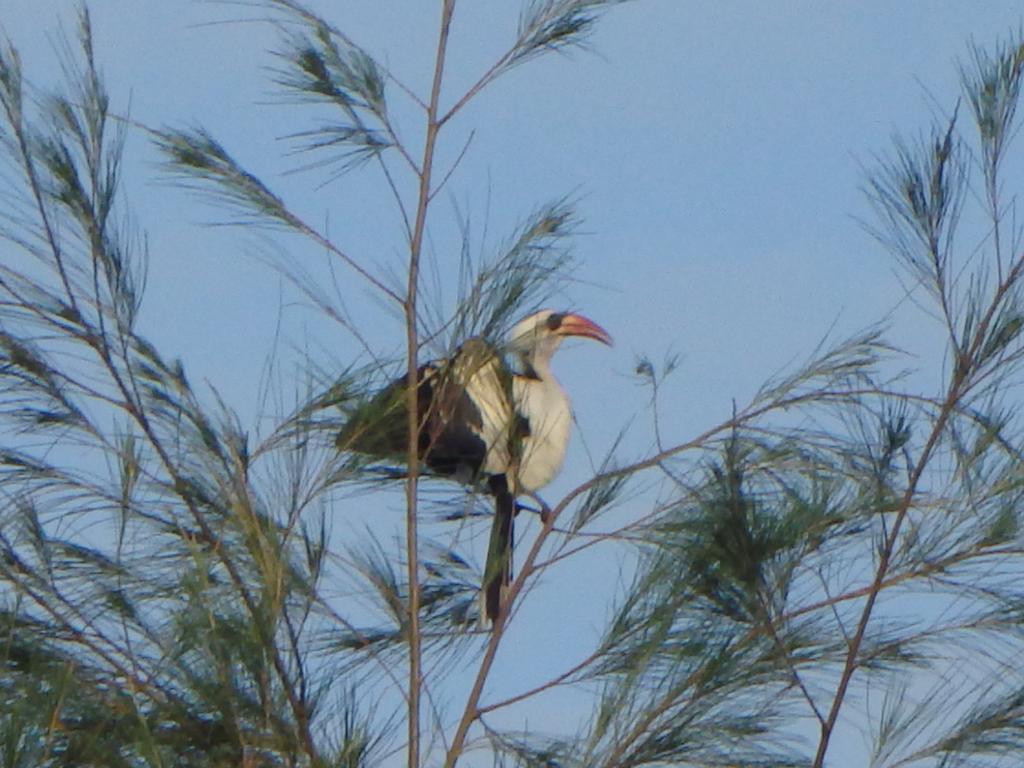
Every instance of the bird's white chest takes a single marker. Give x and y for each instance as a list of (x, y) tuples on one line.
[(545, 406)]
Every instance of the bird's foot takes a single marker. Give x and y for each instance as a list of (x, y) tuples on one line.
[(544, 510)]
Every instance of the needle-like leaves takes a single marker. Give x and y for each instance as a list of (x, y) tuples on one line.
[(172, 587)]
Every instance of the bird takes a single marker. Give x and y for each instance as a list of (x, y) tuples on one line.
[(493, 417)]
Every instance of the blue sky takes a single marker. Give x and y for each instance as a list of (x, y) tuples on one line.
[(717, 151)]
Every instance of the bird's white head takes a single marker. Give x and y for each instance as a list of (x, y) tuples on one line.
[(539, 334)]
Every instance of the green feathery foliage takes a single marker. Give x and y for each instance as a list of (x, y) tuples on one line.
[(840, 550)]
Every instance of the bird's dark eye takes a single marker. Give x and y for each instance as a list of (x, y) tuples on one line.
[(555, 320)]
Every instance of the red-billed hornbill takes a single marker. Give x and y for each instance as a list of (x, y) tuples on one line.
[(495, 417)]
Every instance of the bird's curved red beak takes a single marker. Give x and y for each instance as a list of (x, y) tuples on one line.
[(578, 325)]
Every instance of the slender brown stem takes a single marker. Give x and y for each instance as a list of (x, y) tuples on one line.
[(479, 85), (454, 166), (794, 673), (472, 710), (884, 560), (412, 355), (965, 367), (552, 683), (329, 246)]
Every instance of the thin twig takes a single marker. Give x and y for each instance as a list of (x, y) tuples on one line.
[(412, 376), (959, 385)]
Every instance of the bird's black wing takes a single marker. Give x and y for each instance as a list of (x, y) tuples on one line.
[(450, 439), (450, 427)]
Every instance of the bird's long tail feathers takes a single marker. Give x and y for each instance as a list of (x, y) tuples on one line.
[(498, 569)]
